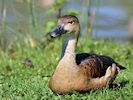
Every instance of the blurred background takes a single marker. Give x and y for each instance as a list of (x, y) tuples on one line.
[(27, 22)]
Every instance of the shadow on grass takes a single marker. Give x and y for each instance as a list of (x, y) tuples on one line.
[(118, 85), (112, 86)]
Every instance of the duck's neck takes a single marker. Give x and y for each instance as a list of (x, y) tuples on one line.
[(69, 46)]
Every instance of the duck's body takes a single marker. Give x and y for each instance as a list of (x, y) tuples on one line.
[(80, 72)]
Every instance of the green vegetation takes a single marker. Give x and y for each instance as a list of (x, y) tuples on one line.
[(23, 82)]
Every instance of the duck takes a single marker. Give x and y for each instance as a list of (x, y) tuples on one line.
[(79, 72)]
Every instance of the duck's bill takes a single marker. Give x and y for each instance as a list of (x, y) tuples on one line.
[(58, 31)]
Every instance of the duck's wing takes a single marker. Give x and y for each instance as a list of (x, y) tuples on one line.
[(108, 61), (96, 64), (82, 56)]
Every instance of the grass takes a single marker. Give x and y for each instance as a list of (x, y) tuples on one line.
[(21, 82)]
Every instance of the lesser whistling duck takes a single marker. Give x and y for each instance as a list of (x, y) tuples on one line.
[(79, 72)]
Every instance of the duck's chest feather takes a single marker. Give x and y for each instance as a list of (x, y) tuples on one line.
[(64, 76)]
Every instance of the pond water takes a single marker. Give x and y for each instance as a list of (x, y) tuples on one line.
[(112, 18)]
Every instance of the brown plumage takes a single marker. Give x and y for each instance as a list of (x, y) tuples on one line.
[(102, 62), (79, 72)]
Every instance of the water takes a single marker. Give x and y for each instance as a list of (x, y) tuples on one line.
[(112, 18)]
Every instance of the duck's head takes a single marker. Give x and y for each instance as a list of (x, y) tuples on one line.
[(67, 24)]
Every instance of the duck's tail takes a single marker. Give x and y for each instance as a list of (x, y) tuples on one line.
[(120, 66)]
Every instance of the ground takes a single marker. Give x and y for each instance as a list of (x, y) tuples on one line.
[(19, 80)]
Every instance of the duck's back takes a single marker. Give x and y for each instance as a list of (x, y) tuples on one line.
[(95, 64)]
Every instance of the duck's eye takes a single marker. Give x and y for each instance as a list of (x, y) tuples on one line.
[(71, 22)]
